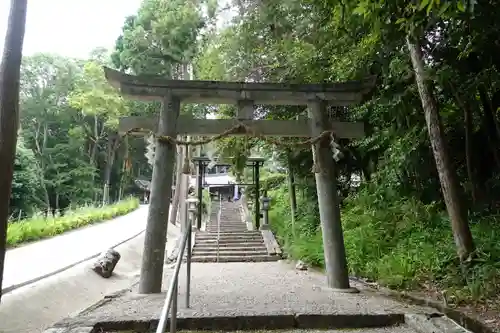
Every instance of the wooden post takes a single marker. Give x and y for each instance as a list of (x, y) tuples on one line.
[(161, 191), (329, 210)]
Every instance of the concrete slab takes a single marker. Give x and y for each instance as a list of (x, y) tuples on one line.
[(243, 291)]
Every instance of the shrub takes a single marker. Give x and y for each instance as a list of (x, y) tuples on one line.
[(36, 228), (268, 182), (206, 202), (400, 243)]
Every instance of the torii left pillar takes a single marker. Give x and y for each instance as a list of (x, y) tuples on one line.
[(156, 228)]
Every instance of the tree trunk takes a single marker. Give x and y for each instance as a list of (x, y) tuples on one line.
[(447, 175), (465, 105), (179, 177), (110, 160), (184, 180), (178, 183), (292, 192), (57, 203), (9, 112), (489, 125), (39, 152), (468, 151)]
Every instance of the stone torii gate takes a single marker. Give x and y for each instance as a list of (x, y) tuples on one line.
[(246, 95)]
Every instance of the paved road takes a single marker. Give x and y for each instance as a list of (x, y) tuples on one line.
[(40, 258), (33, 308)]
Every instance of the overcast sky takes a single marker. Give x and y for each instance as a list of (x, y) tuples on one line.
[(73, 28), (70, 28)]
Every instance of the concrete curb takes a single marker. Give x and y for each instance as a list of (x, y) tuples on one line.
[(60, 270), (252, 322), (437, 323)]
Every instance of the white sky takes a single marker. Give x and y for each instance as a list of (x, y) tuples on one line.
[(70, 28), (73, 28)]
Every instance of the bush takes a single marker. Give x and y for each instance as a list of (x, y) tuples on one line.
[(267, 182), (400, 243), (36, 228), (206, 202)]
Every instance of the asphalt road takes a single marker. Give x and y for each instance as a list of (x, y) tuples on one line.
[(35, 307)]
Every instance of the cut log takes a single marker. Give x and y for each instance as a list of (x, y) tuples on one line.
[(106, 263)]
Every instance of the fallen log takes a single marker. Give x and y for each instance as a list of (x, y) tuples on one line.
[(106, 263)]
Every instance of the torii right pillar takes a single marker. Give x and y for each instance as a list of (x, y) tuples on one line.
[(328, 201)]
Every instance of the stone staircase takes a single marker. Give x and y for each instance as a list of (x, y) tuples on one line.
[(236, 243)]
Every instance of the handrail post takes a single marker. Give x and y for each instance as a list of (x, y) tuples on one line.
[(173, 312), (172, 292), (218, 226), (192, 208), (188, 264)]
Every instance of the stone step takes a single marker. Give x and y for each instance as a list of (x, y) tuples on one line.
[(226, 222), (234, 259), (234, 233), (230, 233), (230, 238), (243, 242), (239, 225), (244, 232), (235, 247), (226, 231), (229, 253), (230, 244)]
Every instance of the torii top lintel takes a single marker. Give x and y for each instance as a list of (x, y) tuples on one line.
[(148, 87)]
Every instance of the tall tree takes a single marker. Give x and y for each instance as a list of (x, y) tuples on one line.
[(101, 105), (9, 112)]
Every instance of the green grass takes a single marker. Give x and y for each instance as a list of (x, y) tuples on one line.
[(402, 244), (37, 227)]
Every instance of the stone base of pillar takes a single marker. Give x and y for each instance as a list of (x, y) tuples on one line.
[(350, 290)]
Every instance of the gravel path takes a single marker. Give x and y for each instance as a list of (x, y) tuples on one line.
[(246, 289)]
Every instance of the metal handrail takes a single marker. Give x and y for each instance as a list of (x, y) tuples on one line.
[(218, 226), (173, 288)]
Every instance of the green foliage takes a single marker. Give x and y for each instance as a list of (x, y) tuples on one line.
[(268, 181), (25, 183), (161, 36), (67, 148), (94, 96), (37, 227), (206, 202), (398, 242)]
